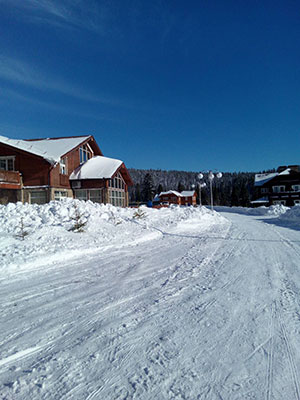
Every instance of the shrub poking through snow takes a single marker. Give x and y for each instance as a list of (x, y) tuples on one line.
[(139, 213), (22, 232), (79, 220)]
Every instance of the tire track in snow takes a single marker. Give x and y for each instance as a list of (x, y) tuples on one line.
[(289, 352), (269, 377), (286, 241)]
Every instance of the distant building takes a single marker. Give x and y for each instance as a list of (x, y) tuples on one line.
[(280, 187), (185, 198), (40, 170)]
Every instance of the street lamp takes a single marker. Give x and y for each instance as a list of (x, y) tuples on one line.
[(201, 185), (211, 177)]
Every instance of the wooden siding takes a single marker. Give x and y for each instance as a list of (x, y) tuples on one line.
[(34, 169), (288, 195), (10, 180)]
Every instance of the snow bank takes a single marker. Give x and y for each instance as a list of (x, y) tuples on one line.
[(41, 234), (292, 216), (271, 211)]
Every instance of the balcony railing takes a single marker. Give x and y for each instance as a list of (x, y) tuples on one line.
[(10, 179)]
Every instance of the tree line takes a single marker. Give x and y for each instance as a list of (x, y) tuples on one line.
[(233, 189)]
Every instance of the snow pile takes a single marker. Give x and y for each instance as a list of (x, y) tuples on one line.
[(292, 216), (41, 234), (275, 210)]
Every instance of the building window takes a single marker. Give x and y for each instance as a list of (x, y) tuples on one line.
[(278, 189), (7, 163), (81, 194), (296, 188), (264, 190), (38, 197), (117, 198), (279, 202), (60, 195), (95, 195), (117, 182), (63, 166), (85, 153)]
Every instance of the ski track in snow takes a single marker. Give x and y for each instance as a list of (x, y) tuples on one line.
[(177, 317)]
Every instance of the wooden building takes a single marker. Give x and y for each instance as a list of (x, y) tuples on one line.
[(280, 187), (38, 170), (102, 179), (185, 198), (188, 198)]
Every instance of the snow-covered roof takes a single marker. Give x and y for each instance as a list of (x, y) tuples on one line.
[(286, 172), (187, 193), (156, 197), (261, 200), (261, 179), (98, 167), (171, 192), (50, 149)]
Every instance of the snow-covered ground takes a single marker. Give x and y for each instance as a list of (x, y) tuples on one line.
[(181, 303)]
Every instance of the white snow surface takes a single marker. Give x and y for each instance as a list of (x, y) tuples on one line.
[(181, 303), (187, 193), (171, 192), (260, 179), (275, 210), (292, 216), (50, 149), (98, 167), (49, 236)]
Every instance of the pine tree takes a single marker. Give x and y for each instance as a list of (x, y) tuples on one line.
[(147, 188), (138, 197), (159, 189), (180, 187)]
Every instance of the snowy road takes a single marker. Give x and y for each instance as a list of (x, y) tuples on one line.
[(187, 315)]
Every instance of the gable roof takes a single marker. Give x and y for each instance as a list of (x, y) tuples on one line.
[(188, 193), (49, 149), (98, 167), (185, 193), (261, 179), (170, 192)]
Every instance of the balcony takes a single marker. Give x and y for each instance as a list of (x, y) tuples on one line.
[(10, 180)]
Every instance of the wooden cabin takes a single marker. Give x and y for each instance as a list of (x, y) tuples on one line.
[(185, 198), (189, 198), (38, 170), (280, 187)]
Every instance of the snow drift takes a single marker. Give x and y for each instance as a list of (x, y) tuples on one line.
[(41, 234), (291, 216)]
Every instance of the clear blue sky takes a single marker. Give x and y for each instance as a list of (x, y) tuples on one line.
[(170, 84)]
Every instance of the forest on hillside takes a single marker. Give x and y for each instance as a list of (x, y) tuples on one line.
[(233, 189)]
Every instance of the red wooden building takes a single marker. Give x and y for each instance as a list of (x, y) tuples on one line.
[(185, 198), (37, 171)]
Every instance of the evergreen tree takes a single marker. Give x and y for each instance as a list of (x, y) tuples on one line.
[(234, 197), (147, 188), (138, 197), (244, 200), (180, 187), (159, 189)]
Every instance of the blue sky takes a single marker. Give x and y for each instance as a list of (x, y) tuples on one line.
[(186, 85)]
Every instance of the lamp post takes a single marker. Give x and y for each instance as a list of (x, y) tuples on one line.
[(211, 178), (201, 185)]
